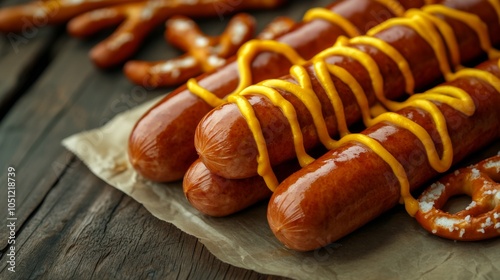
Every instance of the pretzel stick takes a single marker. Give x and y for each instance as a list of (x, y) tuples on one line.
[(203, 53), (48, 12), (138, 19), (276, 28)]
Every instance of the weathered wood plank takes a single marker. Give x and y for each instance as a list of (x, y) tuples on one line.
[(22, 57)]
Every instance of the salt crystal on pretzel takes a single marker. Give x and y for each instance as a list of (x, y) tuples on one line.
[(140, 18), (49, 12), (276, 28), (480, 219), (203, 53)]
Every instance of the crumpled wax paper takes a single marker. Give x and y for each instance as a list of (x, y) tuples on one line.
[(393, 246)]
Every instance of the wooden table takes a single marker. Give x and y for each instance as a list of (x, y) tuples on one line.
[(70, 224)]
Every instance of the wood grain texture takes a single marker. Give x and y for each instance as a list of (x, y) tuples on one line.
[(72, 225)]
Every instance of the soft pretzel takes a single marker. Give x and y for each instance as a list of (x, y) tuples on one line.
[(48, 12), (481, 219), (138, 19), (203, 53)]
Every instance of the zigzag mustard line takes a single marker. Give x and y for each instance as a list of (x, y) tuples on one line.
[(321, 13), (452, 96), (250, 50)]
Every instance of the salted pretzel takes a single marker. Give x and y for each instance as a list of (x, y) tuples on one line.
[(481, 219), (48, 12), (172, 135), (138, 19), (203, 53), (276, 28)]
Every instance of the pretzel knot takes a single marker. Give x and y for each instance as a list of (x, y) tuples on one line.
[(481, 219), (203, 53)]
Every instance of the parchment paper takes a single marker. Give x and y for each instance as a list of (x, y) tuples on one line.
[(393, 246)]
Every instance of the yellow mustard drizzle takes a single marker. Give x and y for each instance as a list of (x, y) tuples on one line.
[(496, 6), (249, 51), (454, 97), (422, 23), (244, 58), (424, 28), (264, 168), (332, 93), (361, 57), (390, 51), (472, 21)]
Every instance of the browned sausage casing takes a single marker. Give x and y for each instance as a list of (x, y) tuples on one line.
[(228, 149), (161, 143), (217, 196), (349, 186)]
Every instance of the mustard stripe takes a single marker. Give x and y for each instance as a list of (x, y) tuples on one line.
[(491, 79), (322, 13), (355, 88), (425, 30), (312, 103), (245, 55), (364, 59), (496, 6), (203, 93), (288, 110), (306, 95), (449, 95), (431, 28), (253, 47), (471, 20), (439, 164), (411, 204), (326, 82)]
